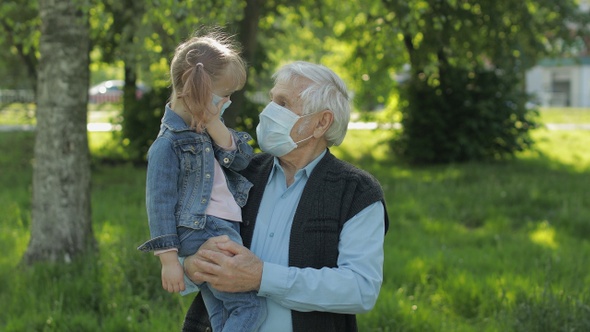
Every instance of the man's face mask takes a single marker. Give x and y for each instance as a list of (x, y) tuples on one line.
[(274, 130), (216, 100)]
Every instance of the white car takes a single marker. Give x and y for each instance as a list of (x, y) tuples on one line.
[(112, 92)]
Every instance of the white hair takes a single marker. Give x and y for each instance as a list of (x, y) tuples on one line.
[(327, 92)]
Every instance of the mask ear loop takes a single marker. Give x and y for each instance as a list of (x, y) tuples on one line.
[(303, 140)]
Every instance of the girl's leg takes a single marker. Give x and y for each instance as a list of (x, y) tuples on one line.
[(217, 313), (243, 311)]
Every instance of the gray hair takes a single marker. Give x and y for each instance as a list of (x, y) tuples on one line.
[(327, 91)]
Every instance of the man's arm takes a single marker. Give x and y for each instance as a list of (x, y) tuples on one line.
[(352, 287)]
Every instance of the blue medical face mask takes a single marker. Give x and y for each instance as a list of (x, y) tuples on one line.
[(216, 100), (274, 130)]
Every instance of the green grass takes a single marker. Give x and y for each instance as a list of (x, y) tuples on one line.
[(567, 115), (492, 247), (24, 114), (472, 247)]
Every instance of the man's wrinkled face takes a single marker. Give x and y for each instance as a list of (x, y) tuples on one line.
[(287, 94)]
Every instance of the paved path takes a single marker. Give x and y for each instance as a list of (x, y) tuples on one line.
[(105, 127), (93, 127)]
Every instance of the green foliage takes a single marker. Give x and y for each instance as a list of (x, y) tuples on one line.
[(461, 115), (141, 123), (458, 53), (506, 33), (19, 41), (369, 43)]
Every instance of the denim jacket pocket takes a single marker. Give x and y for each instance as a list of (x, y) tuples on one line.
[(189, 220), (239, 186), (189, 157)]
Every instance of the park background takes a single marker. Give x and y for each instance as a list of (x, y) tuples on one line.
[(486, 191)]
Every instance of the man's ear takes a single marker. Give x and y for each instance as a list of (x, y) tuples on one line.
[(324, 123)]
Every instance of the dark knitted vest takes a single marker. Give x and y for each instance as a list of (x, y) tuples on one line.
[(335, 192)]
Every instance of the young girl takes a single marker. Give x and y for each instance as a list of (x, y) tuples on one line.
[(192, 189)]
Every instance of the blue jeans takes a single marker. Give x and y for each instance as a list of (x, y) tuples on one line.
[(227, 311)]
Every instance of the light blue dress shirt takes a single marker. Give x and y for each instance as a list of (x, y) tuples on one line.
[(350, 288)]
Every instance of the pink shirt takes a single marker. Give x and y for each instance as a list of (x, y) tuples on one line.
[(222, 203)]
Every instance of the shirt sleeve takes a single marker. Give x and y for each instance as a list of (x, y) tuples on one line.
[(189, 285), (238, 156), (350, 288), (232, 147)]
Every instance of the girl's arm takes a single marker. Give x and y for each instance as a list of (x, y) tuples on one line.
[(219, 133)]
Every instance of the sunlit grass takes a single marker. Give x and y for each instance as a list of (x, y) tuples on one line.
[(564, 115), (24, 114), (569, 148), (18, 114), (484, 246)]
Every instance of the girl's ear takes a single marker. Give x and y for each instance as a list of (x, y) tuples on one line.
[(324, 123)]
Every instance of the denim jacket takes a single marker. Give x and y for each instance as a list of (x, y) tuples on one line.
[(180, 178)]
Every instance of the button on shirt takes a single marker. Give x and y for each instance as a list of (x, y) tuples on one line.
[(352, 287)]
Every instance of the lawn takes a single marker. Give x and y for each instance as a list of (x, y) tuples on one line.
[(499, 246)]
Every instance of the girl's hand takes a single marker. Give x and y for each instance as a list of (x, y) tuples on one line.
[(173, 277), (215, 111), (216, 128), (172, 272)]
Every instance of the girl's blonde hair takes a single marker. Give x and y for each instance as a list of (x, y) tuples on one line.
[(197, 65)]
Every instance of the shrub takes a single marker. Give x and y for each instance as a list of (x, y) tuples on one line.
[(141, 122), (459, 115)]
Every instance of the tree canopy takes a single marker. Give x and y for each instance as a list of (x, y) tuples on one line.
[(375, 45)]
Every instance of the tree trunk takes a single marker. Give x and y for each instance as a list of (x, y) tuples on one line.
[(61, 220), (247, 35)]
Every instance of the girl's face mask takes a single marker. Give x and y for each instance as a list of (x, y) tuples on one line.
[(216, 100), (274, 130)]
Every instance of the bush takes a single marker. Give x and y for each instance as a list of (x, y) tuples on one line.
[(141, 123), (459, 115)]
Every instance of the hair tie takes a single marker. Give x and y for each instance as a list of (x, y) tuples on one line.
[(199, 64)]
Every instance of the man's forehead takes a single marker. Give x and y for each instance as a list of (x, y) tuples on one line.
[(289, 90)]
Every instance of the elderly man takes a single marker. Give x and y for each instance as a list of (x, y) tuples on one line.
[(314, 225)]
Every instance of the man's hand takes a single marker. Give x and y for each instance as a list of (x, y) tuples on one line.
[(225, 265)]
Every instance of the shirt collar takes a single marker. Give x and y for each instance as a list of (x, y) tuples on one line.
[(173, 121), (305, 171)]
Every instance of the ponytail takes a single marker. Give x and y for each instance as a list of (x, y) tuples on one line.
[(196, 94)]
